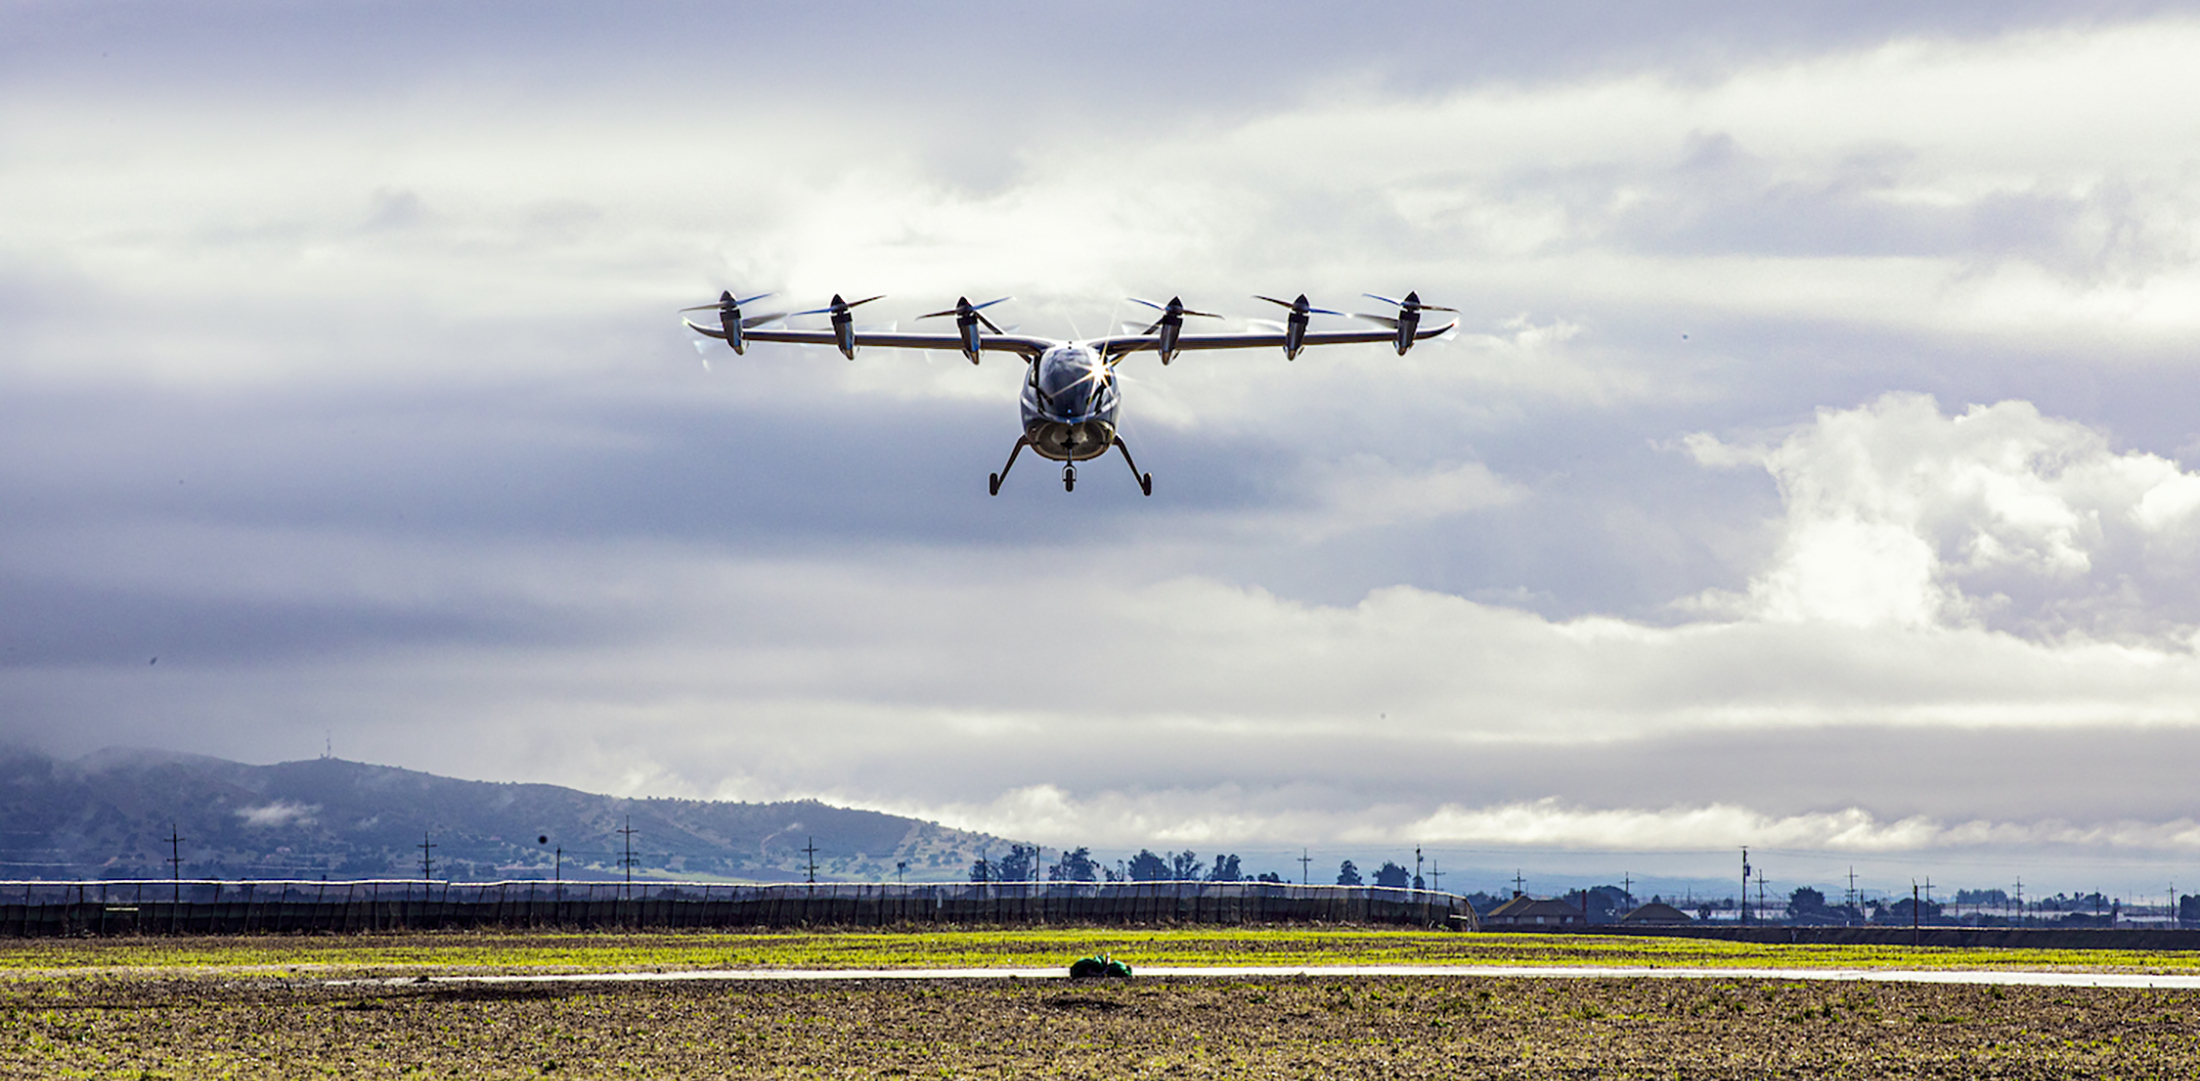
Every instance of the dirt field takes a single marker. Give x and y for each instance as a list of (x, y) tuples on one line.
[(1311, 1027)]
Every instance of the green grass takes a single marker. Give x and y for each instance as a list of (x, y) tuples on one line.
[(1026, 947)]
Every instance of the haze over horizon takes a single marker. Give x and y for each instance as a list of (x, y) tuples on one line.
[(1815, 469)]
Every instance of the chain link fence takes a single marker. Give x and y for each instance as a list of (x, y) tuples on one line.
[(210, 906)]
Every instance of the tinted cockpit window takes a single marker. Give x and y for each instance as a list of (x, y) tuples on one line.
[(1071, 387)]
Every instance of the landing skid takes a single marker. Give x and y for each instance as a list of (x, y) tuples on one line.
[(1145, 480), (1069, 470), (993, 483)]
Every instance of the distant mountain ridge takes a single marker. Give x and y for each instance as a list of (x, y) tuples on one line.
[(109, 815)]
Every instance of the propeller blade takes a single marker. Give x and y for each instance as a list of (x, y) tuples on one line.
[(725, 299), (936, 315), (1202, 315), (989, 303), (760, 320), (1322, 311), (1156, 326), (1413, 303), (988, 323), (1272, 300), (1383, 319), (843, 306), (1148, 303), (1269, 325)]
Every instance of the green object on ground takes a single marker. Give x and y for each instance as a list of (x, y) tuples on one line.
[(1099, 967)]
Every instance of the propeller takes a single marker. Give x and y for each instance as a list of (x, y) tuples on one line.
[(1412, 303), (1294, 330), (839, 307), (1298, 307), (968, 318), (726, 300), (1171, 323), (964, 309), (1174, 311)]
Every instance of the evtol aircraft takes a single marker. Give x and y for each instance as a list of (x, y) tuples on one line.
[(1071, 397)]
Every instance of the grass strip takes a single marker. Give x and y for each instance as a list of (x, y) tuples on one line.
[(1004, 948)]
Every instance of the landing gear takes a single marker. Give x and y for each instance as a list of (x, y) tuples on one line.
[(993, 482), (1145, 480), (1069, 477)]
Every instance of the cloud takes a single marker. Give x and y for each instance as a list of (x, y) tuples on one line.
[(341, 372), (279, 813), (1998, 517)]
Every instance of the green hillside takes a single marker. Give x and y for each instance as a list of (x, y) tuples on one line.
[(109, 815)]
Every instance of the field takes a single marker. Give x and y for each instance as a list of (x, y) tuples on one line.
[(266, 1008)]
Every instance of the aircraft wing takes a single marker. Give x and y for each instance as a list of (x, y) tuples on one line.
[(1025, 345), (1131, 343)]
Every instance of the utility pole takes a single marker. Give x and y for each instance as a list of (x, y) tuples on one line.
[(2020, 900), (1306, 864), (427, 857), (1417, 880), (1745, 884), (1519, 883), (811, 850), (1852, 885), (1436, 875), (1915, 937), (175, 860), (627, 833), (1627, 885)]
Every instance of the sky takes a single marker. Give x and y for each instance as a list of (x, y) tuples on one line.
[(1816, 467)]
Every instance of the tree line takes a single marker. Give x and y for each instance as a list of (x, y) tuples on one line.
[(1023, 864)]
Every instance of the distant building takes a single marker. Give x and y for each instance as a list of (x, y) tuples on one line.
[(1656, 914), (1526, 911)]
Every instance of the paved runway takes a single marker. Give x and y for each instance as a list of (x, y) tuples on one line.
[(1855, 975)]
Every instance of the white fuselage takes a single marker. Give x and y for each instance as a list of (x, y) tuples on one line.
[(1070, 402)]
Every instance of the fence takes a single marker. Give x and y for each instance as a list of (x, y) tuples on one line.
[(207, 906)]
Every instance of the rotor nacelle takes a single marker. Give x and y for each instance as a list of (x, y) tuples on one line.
[(1170, 327), (968, 318), (1294, 327), (844, 321), (1408, 320), (729, 317)]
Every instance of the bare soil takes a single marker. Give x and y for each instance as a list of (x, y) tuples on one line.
[(1294, 1027)]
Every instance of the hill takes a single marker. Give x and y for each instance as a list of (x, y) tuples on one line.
[(109, 815)]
